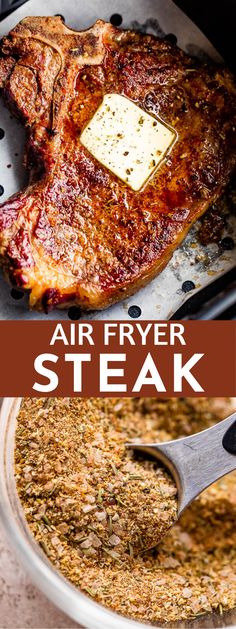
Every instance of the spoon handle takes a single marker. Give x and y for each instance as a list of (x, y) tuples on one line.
[(199, 460)]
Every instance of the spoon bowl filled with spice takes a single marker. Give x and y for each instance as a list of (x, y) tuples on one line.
[(87, 515), (196, 461)]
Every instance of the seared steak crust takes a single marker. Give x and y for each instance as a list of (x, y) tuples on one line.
[(78, 234)]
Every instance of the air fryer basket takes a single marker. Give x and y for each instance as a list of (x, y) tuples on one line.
[(10, 5), (193, 266)]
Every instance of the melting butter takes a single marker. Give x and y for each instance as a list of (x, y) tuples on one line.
[(126, 140)]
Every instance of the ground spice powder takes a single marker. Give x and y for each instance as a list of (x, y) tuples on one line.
[(97, 510)]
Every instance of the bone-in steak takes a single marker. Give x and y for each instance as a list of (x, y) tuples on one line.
[(78, 233)]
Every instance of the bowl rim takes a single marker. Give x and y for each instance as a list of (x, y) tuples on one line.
[(70, 600)]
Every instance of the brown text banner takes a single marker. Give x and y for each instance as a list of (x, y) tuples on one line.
[(103, 358)]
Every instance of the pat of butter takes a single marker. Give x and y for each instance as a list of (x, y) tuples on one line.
[(127, 140)]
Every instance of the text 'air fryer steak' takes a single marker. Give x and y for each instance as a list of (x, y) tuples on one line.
[(79, 232)]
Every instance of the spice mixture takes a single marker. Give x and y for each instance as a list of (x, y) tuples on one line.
[(98, 510)]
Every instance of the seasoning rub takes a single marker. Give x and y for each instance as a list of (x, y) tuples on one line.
[(97, 510)]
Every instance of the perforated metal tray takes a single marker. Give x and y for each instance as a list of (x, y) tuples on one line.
[(192, 263)]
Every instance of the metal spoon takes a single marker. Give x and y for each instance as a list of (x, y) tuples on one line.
[(197, 461)]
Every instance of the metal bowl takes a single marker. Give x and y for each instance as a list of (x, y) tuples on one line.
[(69, 599)]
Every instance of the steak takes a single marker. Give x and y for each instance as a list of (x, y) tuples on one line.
[(78, 233)]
